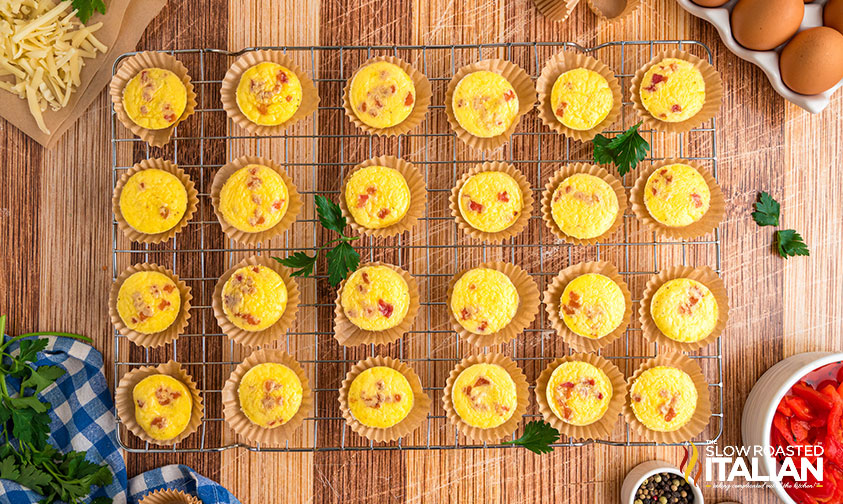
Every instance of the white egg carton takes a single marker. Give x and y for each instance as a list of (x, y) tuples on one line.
[(768, 61)]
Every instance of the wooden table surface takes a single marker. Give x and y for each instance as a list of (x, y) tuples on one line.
[(55, 232)]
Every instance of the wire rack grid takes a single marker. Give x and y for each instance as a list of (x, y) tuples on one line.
[(317, 153)]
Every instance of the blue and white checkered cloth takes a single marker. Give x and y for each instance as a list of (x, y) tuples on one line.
[(82, 416)]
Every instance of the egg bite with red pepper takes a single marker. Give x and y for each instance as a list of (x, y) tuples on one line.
[(269, 94), (375, 298), (163, 406)]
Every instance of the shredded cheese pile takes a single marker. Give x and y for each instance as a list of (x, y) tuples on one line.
[(43, 47)]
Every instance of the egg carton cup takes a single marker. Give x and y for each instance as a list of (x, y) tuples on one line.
[(767, 61), (556, 10), (169, 497)]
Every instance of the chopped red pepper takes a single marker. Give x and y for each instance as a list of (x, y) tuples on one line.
[(815, 399), (782, 425), (800, 408), (784, 409), (800, 429)]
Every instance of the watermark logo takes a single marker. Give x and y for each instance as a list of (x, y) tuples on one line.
[(689, 460), (731, 466)]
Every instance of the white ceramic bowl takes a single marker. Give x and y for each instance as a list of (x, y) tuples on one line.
[(643, 471), (764, 398)]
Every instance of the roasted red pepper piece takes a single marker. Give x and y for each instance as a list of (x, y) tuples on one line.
[(840, 375), (782, 424), (823, 384), (800, 408), (800, 429), (783, 408), (815, 399), (834, 429)]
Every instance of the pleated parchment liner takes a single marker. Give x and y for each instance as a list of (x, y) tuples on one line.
[(572, 169), (418, 196), (553, 295), (480, 434), (153, 339), (348, 334), (422, 100), (128, 69), (520, 222), (556, 10), (228, 91), (238, 420), (528, 305), (169, 497), (710, 220), (125, 403), (519, 80), (293, 207), (713, 94), (157, 164), (600, 429), (276, 330), (417, 415), (556, 66), (613, 10), (703, 275), (701, 416)]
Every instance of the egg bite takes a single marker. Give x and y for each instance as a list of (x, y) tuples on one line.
[(490, 201), (484, 300), (677, 195), (484, 395), (148, 302), (584, 206), (382, 95), (380, 397), (163, 406), (153, 201), (673, 90), (377, 196), (485, 104), (684, 310), (663, 398), (579, 393), (592, 305), (254, 198), (270, 394), (155, 98), (269, 94), (254, 297), (375, 298), (581, 99)]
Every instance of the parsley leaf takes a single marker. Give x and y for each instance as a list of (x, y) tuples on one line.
[(85, 8), (789, 243), (9, 469), (341, 260), (766, 210), (538, 436), (330, 215), (33, 478), (301, 263), (42, 378), (625, 150)]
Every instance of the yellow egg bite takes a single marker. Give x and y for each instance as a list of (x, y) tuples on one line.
[(584, 206), (269, 94), (490, 201), (485, 104), (677, 195), (484, 395), (484, 300), (148, 302), (155, 98), (673, 90), (663, 398), (163, 406), (375, 298), (684, 310), (382, 95), (581, 98), (153, 201), (592, 305), (254, 198), (579, 393), (254, 297), (380, 397), (377, 196), (270, 394)]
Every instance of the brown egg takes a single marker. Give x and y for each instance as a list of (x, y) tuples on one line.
[(813, 61), (710, 3), (766, 24), (833, 15)]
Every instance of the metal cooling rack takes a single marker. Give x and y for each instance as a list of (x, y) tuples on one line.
[(316, 153)]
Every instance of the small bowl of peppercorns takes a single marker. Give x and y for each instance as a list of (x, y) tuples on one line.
[(657, 482)]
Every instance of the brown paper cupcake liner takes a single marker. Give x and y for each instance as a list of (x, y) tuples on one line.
[(276, 330), (713, 94), (556, 66), (416, 416), (480, 434), (240, 423), (565, 172), (169, 497), (705, 225), (160, 164), (520, 81), (293, 208), (528, 305), (600, 429), (125, 404), (348, 334), (418, 197), (613, 10), (553, 294), (705, 276), (423, 97), (556, 10), (517, 226), (153, 339), (228, 91), (701, 416), (128, 69)]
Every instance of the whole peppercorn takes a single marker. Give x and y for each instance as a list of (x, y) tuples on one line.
[(664, 488)]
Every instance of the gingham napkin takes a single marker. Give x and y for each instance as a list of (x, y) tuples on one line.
[(179, 477)]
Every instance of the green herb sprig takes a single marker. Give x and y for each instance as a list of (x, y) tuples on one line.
[(625, 151), (85, 8), (342, 258), (766, 210), (538, 436), (787, 242), (30, 460)]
